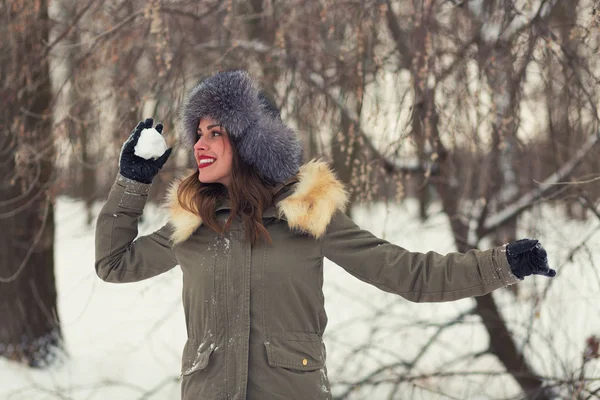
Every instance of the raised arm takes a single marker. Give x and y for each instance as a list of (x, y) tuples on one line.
[(120, 257)]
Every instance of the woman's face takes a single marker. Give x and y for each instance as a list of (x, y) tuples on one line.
[(213, 153)]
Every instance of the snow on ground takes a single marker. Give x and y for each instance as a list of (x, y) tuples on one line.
[(125, 341)]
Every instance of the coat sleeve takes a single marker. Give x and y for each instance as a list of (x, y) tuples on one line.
[(120, 257), (418, 277)]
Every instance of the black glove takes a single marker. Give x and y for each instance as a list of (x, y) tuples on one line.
[(527, 257), (135, 167)]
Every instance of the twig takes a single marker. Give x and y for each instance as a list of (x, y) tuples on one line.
[(568, 258), (316, 81), (527, 200), (157, 388), (584, 200), (67, 30)]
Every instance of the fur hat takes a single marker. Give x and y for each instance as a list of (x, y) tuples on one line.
[(234, 100)]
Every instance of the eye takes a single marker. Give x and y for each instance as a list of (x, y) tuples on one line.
[(216, 133)]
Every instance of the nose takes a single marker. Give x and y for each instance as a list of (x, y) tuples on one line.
[(200, 145)]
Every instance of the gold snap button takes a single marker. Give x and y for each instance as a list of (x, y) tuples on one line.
[(304, 362)]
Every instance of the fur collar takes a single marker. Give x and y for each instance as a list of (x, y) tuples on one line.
[(308, 209)]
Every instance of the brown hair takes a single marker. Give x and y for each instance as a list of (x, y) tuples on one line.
[(249, 195)]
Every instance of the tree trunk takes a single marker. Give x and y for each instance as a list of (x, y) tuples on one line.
[(562, 97), (423, 99), (503, 346), (344, 152), (30, 330), (79, 125), (497, 61), (349, 155), (88, 183)]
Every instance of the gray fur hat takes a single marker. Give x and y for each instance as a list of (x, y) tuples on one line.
[(233, 99)]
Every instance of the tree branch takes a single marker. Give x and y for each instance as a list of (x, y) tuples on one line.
[(399, 36), (73, 24), (526, 201), (390, 166)]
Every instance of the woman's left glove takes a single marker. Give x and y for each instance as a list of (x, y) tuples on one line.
[(527, 257)]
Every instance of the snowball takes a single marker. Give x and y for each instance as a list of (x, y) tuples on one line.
[(151, 144)]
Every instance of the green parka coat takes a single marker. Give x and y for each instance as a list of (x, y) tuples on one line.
[(255, 316)]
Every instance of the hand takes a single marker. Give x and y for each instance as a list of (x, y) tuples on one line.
[(527, 257), (138, 168)]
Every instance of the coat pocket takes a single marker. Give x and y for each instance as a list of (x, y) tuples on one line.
[(302, 351), (195, 356)]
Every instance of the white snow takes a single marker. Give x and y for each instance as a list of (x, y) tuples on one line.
[(125, 340), (196, 364), (151, 144)]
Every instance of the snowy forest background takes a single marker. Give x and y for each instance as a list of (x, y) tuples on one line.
[(455, 124)]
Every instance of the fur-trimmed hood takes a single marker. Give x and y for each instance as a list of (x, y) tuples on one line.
[(308, 209)]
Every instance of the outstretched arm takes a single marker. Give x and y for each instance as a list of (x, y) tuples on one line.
[(418, 277)]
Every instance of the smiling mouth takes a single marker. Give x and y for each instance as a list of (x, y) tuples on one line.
[(205, 162)]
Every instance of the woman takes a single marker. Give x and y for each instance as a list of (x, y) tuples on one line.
[(250, 230)]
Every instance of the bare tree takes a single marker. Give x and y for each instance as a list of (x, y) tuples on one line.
[(30, 329), (466, 67)]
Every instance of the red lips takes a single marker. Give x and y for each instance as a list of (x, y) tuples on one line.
[(205, 161)]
